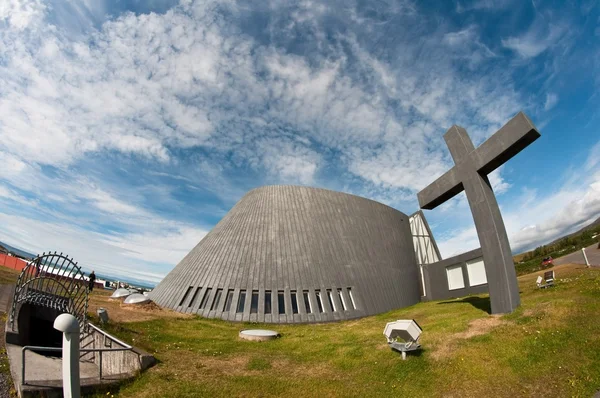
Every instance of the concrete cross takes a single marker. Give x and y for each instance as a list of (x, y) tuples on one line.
[(470, 174)]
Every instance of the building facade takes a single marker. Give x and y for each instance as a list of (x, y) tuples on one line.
[(291, 254)]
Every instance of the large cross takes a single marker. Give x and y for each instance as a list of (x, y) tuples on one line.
[(470, 174)]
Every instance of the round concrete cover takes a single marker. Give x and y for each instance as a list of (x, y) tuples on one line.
[(136, 298), (120, 293), (258, 334)]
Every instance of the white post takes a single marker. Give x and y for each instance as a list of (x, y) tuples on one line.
[(68, 324), (587, 263)]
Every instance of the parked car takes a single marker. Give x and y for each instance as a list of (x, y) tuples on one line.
[(547, 262)]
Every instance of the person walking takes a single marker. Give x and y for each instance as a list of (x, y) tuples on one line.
[(91, 281)]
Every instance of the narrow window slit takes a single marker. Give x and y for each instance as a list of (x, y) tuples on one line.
[(341, 296), (307, 302), (351, 298), (254, 302), (187, 293), (267, 302), (294, 302), (205, 298), (216, 300), (241, 301), (331, 302), (194, 297), (228, 300), (281, 302), (319, 300)]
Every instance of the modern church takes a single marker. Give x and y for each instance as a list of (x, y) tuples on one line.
[(294, 254)]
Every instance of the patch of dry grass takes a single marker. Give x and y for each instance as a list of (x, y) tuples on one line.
[(123, 313)]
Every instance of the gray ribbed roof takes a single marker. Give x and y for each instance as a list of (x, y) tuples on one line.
[(291, 238)]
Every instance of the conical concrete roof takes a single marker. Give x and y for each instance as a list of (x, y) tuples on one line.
[(297, 254)]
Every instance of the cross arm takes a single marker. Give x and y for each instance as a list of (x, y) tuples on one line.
[(441, 190), (511, 139)]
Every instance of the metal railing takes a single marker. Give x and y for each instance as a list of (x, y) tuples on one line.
[(126, 347)]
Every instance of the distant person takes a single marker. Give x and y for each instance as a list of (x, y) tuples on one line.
[(91, 281)]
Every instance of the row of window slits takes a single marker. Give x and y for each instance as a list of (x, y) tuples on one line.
[(309, 306)]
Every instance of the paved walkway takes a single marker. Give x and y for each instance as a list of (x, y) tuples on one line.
[(592, 252), (41, 370)]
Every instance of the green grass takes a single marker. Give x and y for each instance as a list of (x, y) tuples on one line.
[(550, 346), (8, 275)]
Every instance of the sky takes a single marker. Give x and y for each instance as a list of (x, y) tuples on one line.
[(128, 129)]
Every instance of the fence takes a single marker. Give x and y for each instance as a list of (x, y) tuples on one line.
[(12, 262)]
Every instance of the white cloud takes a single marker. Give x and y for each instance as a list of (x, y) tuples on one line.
[(20, 14), (145, 256), (537, 218), (191, 93), (551, 101), (541, 36)]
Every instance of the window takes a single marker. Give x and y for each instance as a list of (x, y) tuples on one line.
[(307, 302), (268, 302), (331, 302), (341, 297), (351, 298), (216, 300), (193, 300), (455, 277), (254, 302), (228, 300), (205, 298), (281, 302), (476, 272), (187, 293), (319, 300), (294, 302), (241, 301)]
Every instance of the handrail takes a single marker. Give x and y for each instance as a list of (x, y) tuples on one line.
[(126, 347), (113, 338)]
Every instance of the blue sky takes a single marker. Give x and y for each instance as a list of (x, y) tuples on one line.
[(128, 129)]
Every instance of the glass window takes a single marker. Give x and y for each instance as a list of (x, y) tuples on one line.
[(476, 272), (216, 300), (268, 302), (281, 302), (319, 300), (455, 277), (229, 300), (254, 302), (193, 300), (294, 302), (351, 298), (205, 298), (331, 302), (307, 302), (341, 297), (241, 301), (187, 293)]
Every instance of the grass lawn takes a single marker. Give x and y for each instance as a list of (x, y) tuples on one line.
[(550, 346), (8, 275)]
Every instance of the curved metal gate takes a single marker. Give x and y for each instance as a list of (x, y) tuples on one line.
[(53, 281)]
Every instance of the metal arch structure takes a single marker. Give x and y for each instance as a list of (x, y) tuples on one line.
[(54, 281)]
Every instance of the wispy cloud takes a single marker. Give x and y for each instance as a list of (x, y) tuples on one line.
[(538, 217), (124, 127), (541, 36), (551, 101)]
